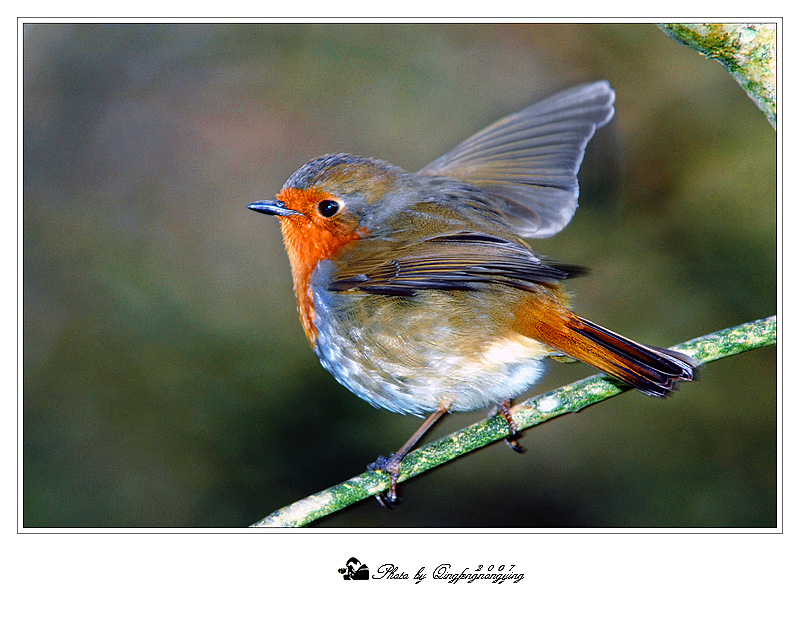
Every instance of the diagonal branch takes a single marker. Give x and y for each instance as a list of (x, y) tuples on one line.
[(748, 51), (567, 399)]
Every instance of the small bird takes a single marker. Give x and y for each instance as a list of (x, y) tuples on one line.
[(417, 291)]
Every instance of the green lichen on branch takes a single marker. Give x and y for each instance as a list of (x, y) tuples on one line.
[(567, 399), (746, 50)]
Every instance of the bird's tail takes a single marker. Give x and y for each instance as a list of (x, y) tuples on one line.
[(651, 370)]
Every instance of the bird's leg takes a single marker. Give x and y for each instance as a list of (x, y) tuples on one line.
[(504, 410), (391, 465)]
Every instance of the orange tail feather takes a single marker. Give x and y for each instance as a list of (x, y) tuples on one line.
[(651, 370)]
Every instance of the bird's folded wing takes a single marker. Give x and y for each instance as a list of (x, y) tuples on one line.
[(459, 261), (531, 159)]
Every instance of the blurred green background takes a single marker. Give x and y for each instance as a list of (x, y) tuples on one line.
[(167, 380)]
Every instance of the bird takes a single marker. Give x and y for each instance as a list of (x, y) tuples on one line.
[(417, 290)]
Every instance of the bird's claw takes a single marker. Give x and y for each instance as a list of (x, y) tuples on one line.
[(504, 411), (391, 466)]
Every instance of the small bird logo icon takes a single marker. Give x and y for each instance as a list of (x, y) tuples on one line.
[(417, 291)]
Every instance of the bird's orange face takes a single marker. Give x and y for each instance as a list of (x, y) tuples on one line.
[(320, 229), (322, 208)]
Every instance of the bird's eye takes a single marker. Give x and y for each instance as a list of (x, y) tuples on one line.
[(328, 208)]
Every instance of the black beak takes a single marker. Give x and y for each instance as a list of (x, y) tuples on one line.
[(272, 207)]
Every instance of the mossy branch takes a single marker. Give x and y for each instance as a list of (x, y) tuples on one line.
[(747, 51), (567, 399)]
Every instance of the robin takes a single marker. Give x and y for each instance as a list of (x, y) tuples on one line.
[(417, 291)]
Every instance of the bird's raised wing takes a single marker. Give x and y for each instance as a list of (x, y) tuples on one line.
[(531, 159), (458, 261)]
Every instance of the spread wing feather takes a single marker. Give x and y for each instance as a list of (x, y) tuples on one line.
[(531, 159)]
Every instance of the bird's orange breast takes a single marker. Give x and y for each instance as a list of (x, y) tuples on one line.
[(310, 238)]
